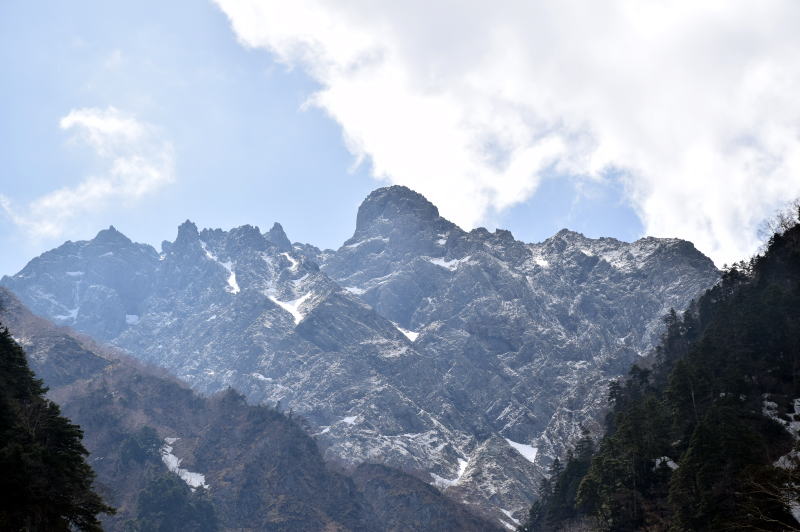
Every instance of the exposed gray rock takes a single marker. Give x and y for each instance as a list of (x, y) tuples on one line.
[(258, 468), (416, 344)]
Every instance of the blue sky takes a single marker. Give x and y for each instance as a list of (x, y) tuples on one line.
[(253, 114), (246, 151)]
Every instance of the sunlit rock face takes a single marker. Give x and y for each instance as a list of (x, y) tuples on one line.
[(416, 344)]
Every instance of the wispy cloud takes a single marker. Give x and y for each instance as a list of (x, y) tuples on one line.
[(472, 103), (137, 161)]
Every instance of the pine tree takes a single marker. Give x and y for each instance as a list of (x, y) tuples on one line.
[(46, 482), (688, 445)]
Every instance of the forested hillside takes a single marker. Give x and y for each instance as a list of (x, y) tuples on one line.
[(702, 435), (45, 481)]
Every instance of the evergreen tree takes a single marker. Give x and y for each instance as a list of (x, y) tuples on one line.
[(168, 505), (688, 445), (46, 482)]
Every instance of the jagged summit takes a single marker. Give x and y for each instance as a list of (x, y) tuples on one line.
[(569, 234), (187, 232), (277, 236)]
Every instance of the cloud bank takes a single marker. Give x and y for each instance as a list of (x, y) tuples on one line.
[(136, 161), (694, 104)]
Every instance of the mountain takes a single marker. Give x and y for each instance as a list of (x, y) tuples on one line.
[(705, 432), (168, 459), (468, 359)]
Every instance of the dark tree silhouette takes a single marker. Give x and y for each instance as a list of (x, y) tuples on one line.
[(45, 481)]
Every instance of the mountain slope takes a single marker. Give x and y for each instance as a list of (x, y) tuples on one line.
[(416, 344), (705, 434), (167, 457)]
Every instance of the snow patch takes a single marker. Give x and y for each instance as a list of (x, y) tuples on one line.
[(667, 461), (293, 306), (260, 377), (792, 458), (508, 514), (193, 480), (350, 420), (462, 467), (770, 409), (451, 265), (294, 263), (441, 482), (355, 290), (444, 483), (233, 286), (75, 274), (298, 282), (356, 244), (508, 525), (411, 335), (71, 314), (527, 451)]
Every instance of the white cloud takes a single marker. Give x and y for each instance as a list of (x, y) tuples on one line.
[(471, 103), (137, 162)]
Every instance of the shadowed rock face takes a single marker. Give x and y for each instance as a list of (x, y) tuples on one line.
[(416, 344)]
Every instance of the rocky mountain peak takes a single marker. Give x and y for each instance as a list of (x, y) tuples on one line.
[(248, 236), (569, 235), (394, 203), (277, 236), (504, 234), (187, 232), (111, 236)]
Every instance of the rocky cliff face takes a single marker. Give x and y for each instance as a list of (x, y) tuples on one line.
[(252, 467), (467, 358)]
